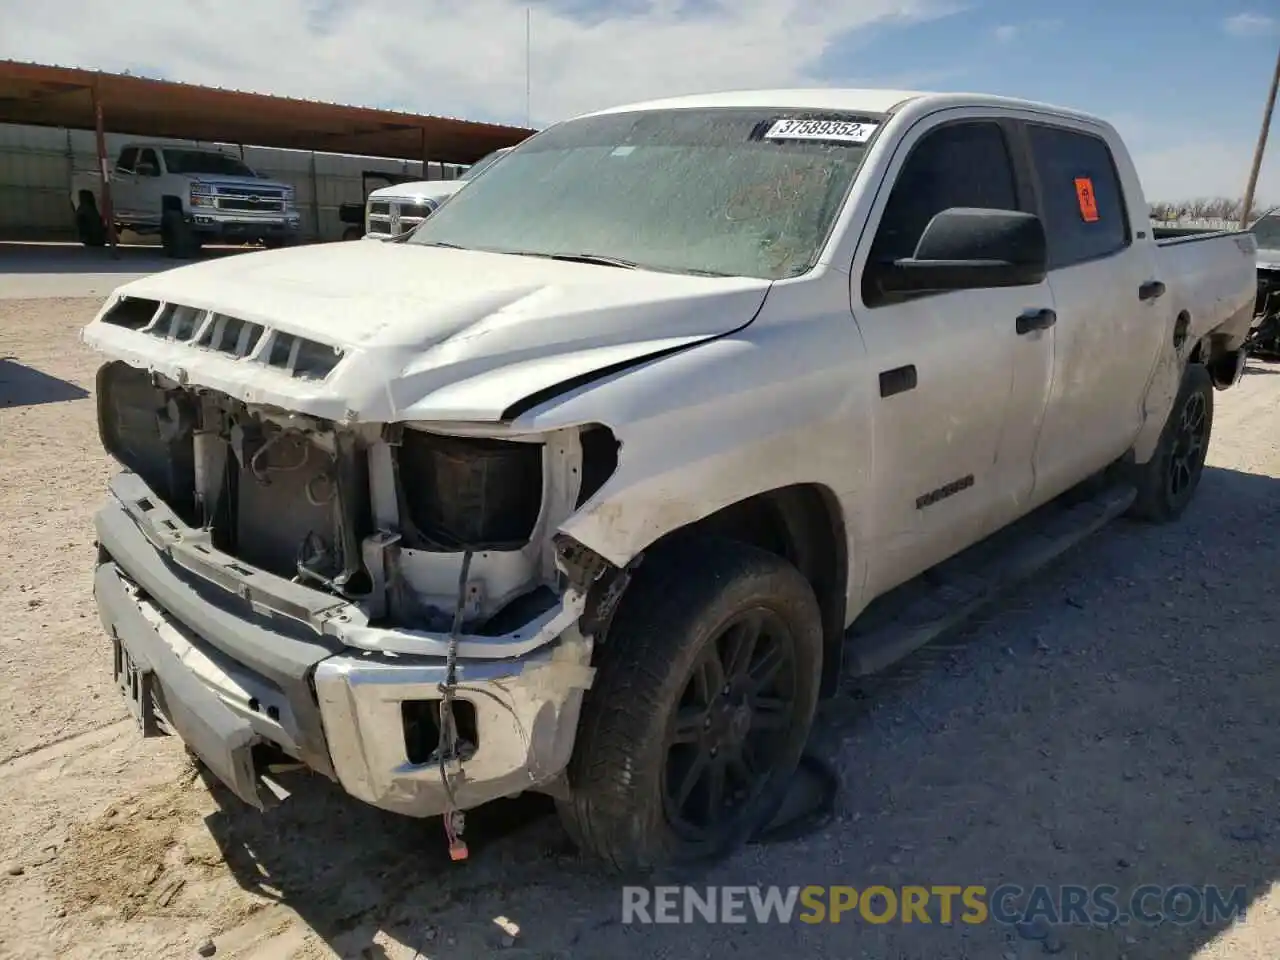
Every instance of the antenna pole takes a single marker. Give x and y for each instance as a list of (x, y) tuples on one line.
[(1262, 145), (528, 17)]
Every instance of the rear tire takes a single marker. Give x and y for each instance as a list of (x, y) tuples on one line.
[(1168, 481), (703, 700), (90, 230)]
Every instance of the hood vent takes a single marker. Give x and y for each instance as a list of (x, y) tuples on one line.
[(307, 359), (297, 356), (230, 335)]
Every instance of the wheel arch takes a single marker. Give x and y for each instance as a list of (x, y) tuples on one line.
[(802, 523)]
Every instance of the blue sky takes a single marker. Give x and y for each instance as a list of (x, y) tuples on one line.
[(1183, 80), (1180, 77)]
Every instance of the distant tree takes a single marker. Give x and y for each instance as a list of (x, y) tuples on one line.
[(1204, 208)]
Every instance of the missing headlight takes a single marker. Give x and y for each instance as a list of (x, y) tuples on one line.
[(469, 493)]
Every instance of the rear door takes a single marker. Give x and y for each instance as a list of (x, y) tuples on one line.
[(1109, 309), (123, 187), (960, 391)]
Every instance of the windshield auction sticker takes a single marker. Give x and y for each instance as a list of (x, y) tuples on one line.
[(837, 131)]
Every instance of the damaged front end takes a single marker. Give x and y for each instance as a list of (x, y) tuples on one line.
[(405, 565)]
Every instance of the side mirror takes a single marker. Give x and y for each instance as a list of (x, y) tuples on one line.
[(966, 248)]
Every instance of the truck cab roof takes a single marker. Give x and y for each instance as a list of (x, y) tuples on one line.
[(853, 99)]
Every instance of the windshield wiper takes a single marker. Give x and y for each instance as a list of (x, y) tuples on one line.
[(402, 237), (595, 258)]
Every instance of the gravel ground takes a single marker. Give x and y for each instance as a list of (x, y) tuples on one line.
[(1106, 724)]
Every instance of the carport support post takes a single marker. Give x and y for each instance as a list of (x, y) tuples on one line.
[(108, 212)]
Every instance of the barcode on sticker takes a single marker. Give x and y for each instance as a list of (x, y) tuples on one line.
[(843, 131)]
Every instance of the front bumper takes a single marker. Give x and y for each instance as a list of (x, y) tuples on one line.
[(212, 224), (231, 677)]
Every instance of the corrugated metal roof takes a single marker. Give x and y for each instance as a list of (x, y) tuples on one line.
[(56, 96)]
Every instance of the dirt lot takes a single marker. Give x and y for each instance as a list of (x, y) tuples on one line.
[(1109, 723)]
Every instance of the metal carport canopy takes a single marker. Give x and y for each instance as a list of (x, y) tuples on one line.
[(48, 96)]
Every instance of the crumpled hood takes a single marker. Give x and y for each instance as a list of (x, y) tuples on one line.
[(426, 333)]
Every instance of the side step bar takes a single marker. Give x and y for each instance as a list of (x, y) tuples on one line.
[(941, 599)]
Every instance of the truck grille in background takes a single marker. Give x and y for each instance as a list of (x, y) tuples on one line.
[(250, 199), (255, 206), (394, 217), (243, 339)]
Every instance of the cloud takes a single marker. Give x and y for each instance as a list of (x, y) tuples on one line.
[(456, 59), (1207, 169), (1008, 32), (1250, 25)]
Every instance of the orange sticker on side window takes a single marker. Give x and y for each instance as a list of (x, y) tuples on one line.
[(1088, 202)]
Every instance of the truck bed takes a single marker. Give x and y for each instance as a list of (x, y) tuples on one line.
[(1210, 275)]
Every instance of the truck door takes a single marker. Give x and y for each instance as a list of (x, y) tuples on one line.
[(960, 391), (147, 181), (123, 192), (1108, 303)]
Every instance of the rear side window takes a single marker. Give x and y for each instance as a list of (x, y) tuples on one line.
[(128, 157), (1084, 209), (958, 165)]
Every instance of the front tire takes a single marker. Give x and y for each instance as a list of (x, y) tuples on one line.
[(705, 692), (177, 238), (1168, 481)]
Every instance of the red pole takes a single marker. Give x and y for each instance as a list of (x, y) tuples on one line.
[(104, 170)]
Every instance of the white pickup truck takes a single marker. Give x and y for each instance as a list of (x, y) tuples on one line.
[(599, 480), (396, 209), (188, 196)]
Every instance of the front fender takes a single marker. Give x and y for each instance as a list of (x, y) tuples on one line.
[(768, 407)]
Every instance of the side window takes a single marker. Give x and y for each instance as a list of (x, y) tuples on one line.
[(958, 165), (148, 158), (128, 157), (1084, 208)]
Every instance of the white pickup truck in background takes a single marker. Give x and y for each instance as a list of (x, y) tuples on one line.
[(188, 196), (596, 482), (394, 210)]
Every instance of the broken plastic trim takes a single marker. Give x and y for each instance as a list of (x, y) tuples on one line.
[(601, 582)]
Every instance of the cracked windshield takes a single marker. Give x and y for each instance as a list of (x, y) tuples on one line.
[(718, 192)]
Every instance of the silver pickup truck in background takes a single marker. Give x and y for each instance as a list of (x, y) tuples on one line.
[(188, 196), (394, 210), (592, 486)]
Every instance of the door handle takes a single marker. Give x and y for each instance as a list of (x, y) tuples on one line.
[(1033, 320), (1151, 290)]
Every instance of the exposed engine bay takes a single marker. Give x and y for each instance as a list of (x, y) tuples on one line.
[(1264, 338), (379, 515)]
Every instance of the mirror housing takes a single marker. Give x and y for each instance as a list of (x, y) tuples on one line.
[(966, 248)]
